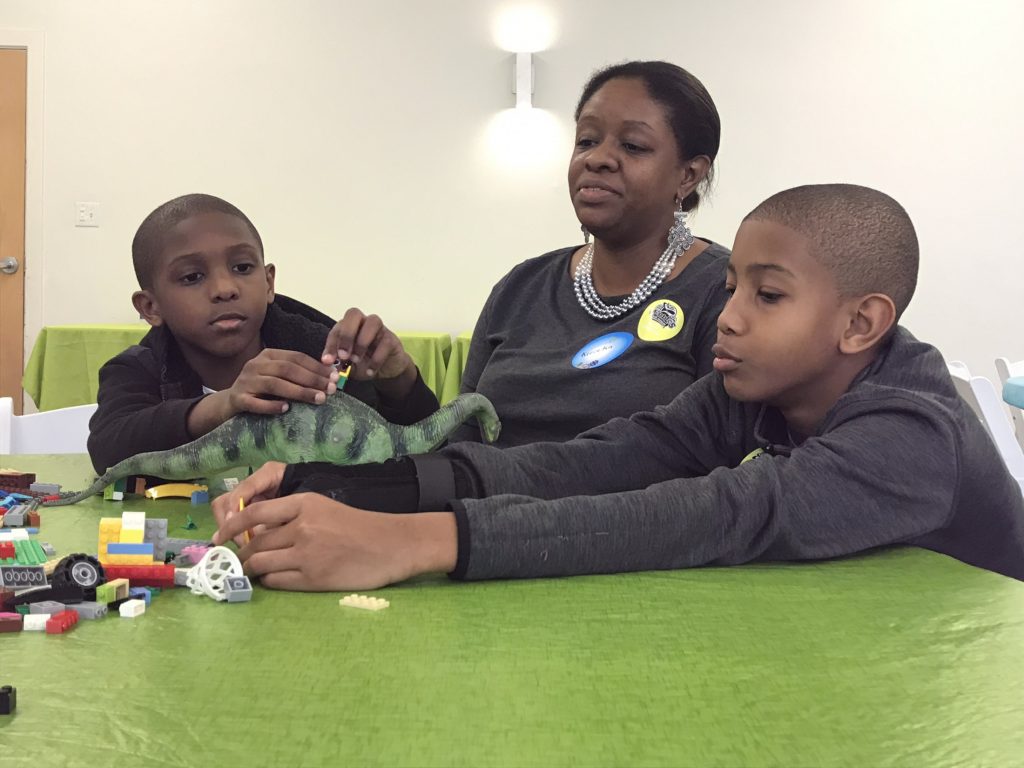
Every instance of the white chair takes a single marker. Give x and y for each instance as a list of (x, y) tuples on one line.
[(64, 430), (989, 406), (1007, 370)]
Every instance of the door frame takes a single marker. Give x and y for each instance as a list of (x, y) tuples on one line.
[(32, 41)]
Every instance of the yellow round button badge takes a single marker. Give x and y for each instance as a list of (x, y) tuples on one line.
[(661, 320)]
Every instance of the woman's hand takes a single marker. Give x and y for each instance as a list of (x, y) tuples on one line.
[(311, 543)]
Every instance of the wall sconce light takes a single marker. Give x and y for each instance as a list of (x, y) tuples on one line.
[(522, 80)]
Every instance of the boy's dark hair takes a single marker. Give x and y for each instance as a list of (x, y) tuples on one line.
[(691, 112), (863, 236), (149, 239)]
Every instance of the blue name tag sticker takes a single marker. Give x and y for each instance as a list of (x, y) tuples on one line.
[(602, 350)]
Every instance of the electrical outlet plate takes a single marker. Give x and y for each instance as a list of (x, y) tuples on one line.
[(87, 214)]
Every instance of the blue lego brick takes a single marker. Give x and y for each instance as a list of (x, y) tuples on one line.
[(140, 593), (200, 497), (130, 549)]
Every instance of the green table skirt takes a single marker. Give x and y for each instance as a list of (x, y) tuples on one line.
[(63, 369), (900, 658)]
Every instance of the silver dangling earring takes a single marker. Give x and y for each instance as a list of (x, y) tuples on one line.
[(586, 234), (679, 234)]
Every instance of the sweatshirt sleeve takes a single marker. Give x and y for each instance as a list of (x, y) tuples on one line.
[(480, 351), (883, 478), (418, 404), (131, 418), (698, 431)]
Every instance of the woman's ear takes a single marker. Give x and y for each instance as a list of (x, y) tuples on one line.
[(695, 170), (146, 305), (871, 318)]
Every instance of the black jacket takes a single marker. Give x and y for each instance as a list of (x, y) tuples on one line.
[(147, 391)]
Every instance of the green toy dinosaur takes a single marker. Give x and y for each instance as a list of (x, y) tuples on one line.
[(342, 431)]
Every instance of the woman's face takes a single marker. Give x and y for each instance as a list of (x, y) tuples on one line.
[(625, 171)]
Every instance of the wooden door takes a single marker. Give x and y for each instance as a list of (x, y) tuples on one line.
[(13, 94)]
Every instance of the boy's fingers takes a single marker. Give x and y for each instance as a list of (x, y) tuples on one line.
[(367, 336), (341, 339), (253, 404)]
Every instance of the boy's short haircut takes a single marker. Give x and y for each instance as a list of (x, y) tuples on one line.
[(863, 236), (149, 239)]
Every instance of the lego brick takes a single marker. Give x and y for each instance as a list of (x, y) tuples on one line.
[(105, 594), (35, 622), (130, 560), (135, 520), (195, 553), (156, 534), (6, 599), (139, 486), (142, 575), (237, 589), (16, 479), (364, 601), (140, 593), (48, 550), (181, 577), (7, 550), (14, 518), (175, 546), (46, 606), (200, 497), (61, 622), (120, 548), (8, 699), (22, 576), (33, 519), (47, 488), (120, 586), (18, 534), (90, 610), (11, 622), (65, 594), (131, 608), (129, 536)]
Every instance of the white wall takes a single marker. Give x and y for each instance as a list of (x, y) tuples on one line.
[(358, 136)]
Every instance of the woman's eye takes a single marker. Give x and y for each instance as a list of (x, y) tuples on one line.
[(631, 147), (730, 289), (584, 142)]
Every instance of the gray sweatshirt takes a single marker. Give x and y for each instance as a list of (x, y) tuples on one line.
[(899, 459)]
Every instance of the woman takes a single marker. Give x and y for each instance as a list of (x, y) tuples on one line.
[(572, 338)]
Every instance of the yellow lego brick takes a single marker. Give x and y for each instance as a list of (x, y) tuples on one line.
[(131, 535)]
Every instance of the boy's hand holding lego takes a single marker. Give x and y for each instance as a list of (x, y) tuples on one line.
[(263, 385), (311, 543), (373, 351), (261, 485)]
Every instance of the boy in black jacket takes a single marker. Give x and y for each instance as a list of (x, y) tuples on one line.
[(222, 343), (825, 430)]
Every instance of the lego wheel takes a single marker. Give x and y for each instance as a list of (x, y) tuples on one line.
[(80, 569)]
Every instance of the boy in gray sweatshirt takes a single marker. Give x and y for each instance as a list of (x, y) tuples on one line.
[(825, 430)]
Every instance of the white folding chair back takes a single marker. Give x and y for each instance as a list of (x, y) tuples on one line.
[(962, 381), (980, 394), (1006, 370), (64, 430)]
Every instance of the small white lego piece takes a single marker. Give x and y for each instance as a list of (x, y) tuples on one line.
[(133, 521), (15, 534), (131, 608), (35, 622), (364, 601)]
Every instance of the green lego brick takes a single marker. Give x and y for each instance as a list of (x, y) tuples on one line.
[(38, 549), (105, 594)]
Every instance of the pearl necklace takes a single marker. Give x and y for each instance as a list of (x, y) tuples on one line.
[(586, 294)]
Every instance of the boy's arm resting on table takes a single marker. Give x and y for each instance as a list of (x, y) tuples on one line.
[(132, 418), (877, 480)]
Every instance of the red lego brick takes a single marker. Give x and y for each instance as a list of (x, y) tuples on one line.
[(15, 479), (6, 549), (6, 599), (61, 622), (142, 575), (10, 622)]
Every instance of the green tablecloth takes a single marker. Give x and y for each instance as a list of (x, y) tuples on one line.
[(456, 365), (903, 657), (64, 366)]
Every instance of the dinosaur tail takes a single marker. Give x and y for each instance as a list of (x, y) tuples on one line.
[(429, 433), (185, 462)]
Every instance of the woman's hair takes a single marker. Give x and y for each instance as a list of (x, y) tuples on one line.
[(691, 112)]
